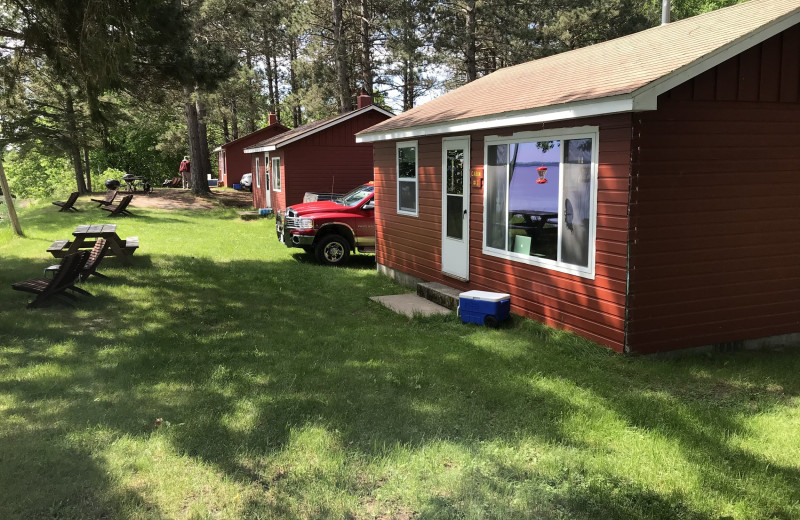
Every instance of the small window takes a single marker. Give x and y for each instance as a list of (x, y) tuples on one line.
[(276, 173), (258, 175), (407, 186)]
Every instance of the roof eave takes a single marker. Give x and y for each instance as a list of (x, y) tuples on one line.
[(335, 122), (256, 149), (575, 110)]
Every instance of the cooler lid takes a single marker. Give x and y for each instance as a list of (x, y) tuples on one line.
[(485, 296)]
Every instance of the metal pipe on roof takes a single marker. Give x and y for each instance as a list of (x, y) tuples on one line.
[(665, 7)]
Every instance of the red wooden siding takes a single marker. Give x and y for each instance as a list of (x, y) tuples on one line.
[(265, 170), (237, 163), (592, 308), (715, 250), (329, 160)]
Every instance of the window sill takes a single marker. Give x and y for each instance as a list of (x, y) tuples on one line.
[(551, 265)]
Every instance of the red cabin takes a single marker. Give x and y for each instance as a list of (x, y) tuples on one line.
[(322, 156), (665, 215), (233, 163)]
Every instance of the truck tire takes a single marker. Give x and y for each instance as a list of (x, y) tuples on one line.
[(332, 250)]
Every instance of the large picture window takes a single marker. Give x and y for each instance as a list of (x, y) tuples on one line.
[(407, 186), (276, 173), (540, 199)]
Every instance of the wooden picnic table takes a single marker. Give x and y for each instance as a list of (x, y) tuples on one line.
[(533, 220), (87, 235)]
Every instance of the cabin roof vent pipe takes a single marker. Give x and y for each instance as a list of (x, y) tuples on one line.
[(273, 119), (665, 7), (364, 99)]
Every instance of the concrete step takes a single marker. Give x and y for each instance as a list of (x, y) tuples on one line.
[(439, 294)]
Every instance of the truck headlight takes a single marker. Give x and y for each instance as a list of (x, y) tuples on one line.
[(305, 223)]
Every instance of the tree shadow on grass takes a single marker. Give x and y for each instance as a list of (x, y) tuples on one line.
[(299, 346)]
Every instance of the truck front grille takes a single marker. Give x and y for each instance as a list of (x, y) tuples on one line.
[(290, 222)]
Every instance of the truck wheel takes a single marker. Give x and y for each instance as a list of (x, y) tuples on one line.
[(332, 250)]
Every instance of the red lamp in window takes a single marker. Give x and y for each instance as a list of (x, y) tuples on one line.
[(542, 171)]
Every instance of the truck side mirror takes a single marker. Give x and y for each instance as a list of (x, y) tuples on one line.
[(369, 205)]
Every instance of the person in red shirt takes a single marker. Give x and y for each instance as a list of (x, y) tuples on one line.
[(185, 170)]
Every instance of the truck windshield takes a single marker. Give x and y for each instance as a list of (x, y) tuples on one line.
[(356, 196)]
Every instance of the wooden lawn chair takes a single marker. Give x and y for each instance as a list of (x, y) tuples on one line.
[(107, 200), (48, 288), (121, 208), (96, 256), (68, 204)]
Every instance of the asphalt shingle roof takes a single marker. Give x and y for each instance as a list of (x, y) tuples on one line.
[(612, 68)]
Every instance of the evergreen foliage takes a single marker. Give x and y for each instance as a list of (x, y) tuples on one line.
[(123, 84)]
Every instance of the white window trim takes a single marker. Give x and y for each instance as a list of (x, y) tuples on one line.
[(407, 144), (276, 174), (257, 175), (582, 132)]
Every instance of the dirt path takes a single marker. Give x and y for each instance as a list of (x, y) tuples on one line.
[(176, 198)]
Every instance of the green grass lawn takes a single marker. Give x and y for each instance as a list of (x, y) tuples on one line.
[(285, 393)]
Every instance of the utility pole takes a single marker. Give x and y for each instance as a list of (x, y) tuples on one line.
[(12, 212)]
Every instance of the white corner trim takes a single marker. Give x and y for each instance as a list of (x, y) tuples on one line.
[(543, 115), (645, 97)]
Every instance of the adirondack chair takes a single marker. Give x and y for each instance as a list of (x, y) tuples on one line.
[(121, 208), (96, 256), (48, 288), (68, 204), (107, 200)]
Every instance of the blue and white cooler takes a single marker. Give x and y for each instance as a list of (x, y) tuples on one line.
[(483, 307)]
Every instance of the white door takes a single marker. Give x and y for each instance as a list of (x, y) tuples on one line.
[(268, 188), (455, 207)]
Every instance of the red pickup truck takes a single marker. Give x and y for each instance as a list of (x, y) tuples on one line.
[(331, 229)]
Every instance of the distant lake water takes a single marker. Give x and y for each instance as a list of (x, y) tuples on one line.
[(524, 193)]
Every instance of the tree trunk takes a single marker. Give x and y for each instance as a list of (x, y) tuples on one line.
[(296, 114), (200, 175), (345, 103), (74, 146), (269, 71), (226, 134), (251, 101), (409, 86), (366, 50), (12, 211), (191, 125), (234, 119), (470, 51), (276, 102), (88, 168)]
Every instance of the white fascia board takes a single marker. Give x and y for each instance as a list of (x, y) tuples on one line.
[(645, 98), (303, 135), (610, 105), (256, 149)]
